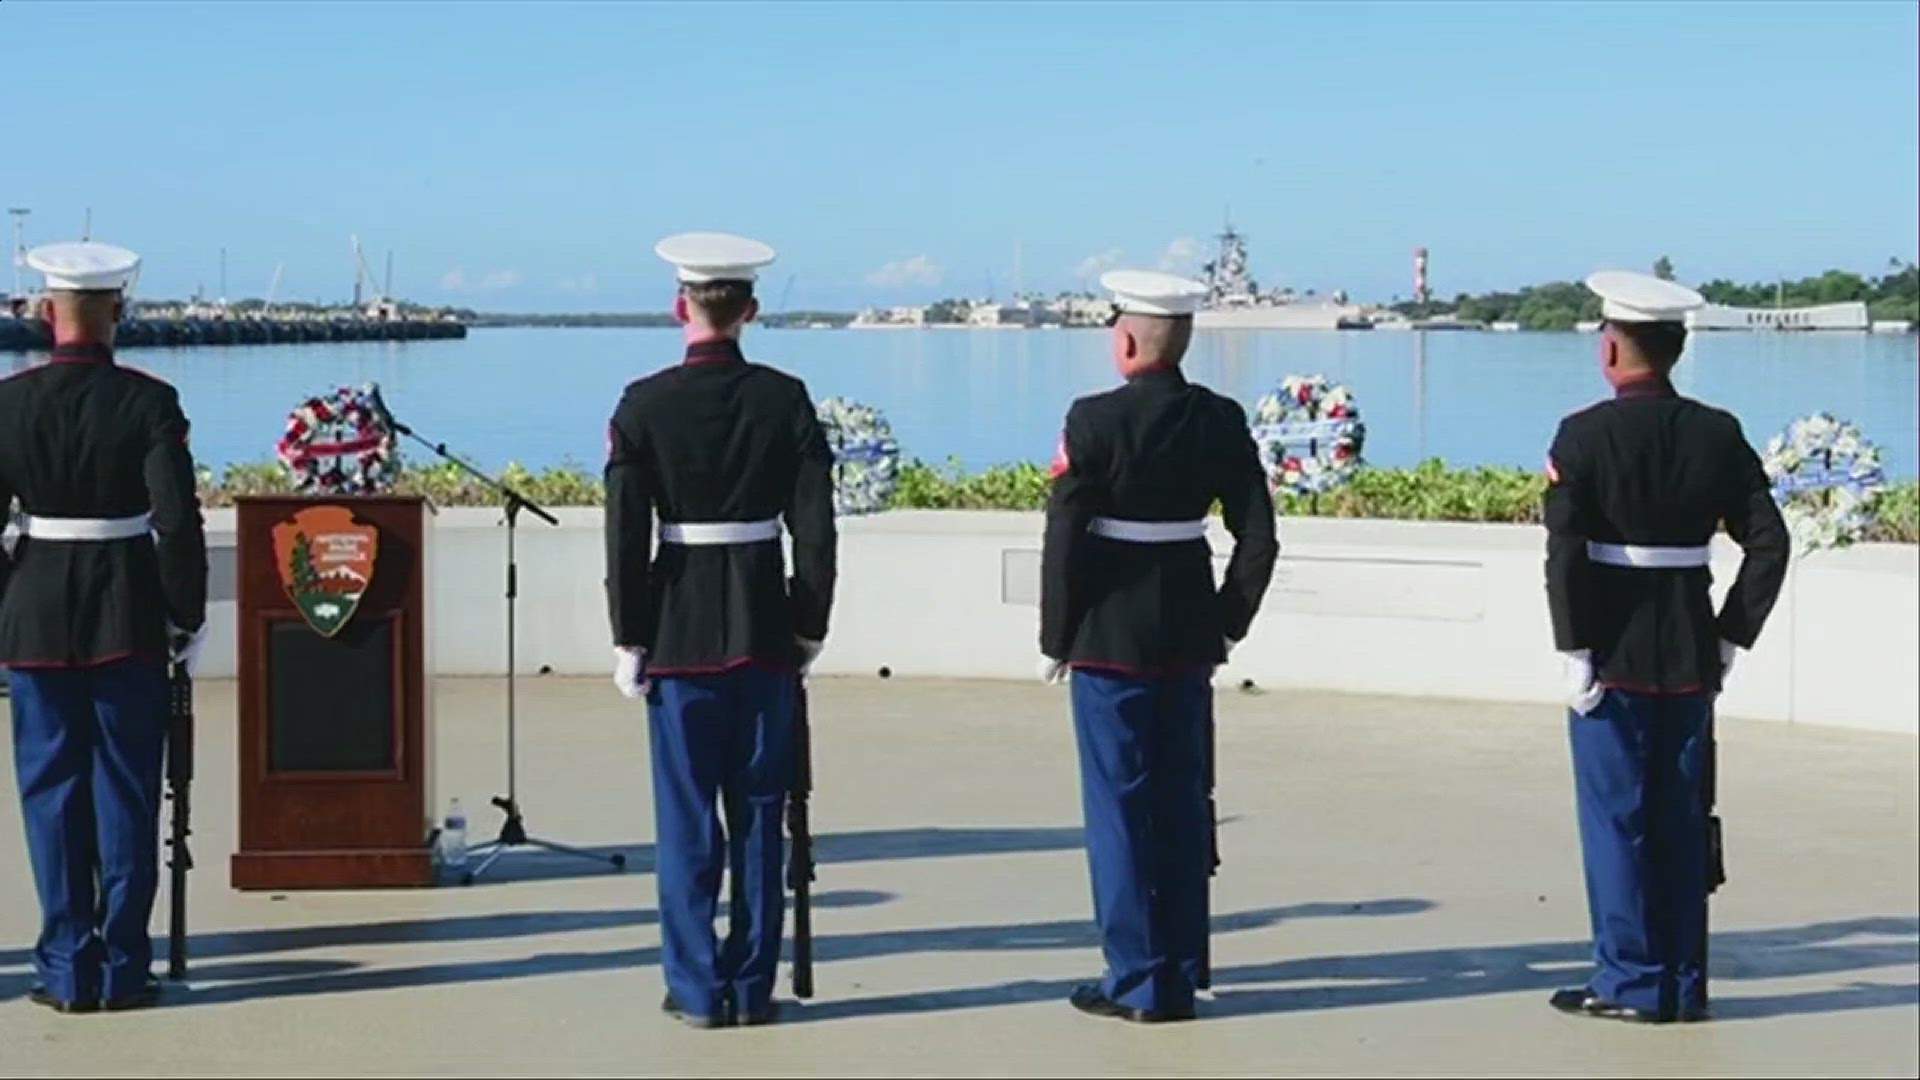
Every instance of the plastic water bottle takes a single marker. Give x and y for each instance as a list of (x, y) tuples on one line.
[(453, 836)]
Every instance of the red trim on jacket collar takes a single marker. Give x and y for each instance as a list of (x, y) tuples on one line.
[(1646, 386), (82, 353), (718, 350)]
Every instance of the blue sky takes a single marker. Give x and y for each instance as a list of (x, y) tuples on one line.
[(526, 157)]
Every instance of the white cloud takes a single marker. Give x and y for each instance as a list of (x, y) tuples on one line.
[(919, 270), (585, 283), (1181, 255), (456, 280), (1094, 265)]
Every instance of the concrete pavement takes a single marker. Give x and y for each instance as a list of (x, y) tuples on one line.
[(1401, 890)]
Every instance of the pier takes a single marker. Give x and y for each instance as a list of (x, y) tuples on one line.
[(31, 335)]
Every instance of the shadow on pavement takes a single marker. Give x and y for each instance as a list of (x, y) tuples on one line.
[(1439, 974), (329, 978), (1824, 948), (533, 864)]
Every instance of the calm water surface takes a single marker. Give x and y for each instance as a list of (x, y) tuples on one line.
[(543, 396)]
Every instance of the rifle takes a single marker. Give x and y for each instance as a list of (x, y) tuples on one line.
[(800, 858), (1205, 980), (1716, 852), (179, 745)]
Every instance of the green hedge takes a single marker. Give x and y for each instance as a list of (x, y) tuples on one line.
[(1428, 492)]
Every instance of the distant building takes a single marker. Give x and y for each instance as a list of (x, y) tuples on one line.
[(1847, 316), (903, 315)]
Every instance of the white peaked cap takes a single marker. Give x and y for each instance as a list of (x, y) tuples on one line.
[(83, 265), (1149, 292), (1626, 296), (704, 256)]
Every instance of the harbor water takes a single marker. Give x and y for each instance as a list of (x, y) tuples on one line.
[(543, 396)]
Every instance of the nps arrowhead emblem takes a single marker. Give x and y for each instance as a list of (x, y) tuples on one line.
[(326, 563)]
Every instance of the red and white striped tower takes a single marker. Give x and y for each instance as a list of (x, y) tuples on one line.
[(1420, 274)]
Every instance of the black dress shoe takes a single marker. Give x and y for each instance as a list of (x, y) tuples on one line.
[(144, 998), (1584, 1002), (1693, 1014), (1089, 999), (40, 995), (672, 1008)]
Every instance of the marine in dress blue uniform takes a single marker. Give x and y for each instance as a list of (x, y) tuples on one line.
[(106, 581), (1637, 487), (1130, 609), (709, 457)]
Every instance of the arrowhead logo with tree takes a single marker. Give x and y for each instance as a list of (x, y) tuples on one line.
[(326, 563)]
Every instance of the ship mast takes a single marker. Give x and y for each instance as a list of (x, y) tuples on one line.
[(1227, 279)]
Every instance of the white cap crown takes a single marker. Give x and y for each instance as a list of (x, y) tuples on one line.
[(83, 265), (1149, 292), (1626, 296), (705, 256)]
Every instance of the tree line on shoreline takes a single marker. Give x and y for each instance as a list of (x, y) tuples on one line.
[(1560, 305), (1553, 305)]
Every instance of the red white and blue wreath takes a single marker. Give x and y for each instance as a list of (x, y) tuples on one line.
[(866, 458), (339, 444), (1309, 434)]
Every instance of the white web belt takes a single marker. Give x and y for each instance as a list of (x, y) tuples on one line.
[(1148, 532), (85, 529), (710, 533), (1640, 557)]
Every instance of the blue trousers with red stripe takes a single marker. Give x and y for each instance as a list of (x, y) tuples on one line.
[(1143, 747), (1639, 769), (721, 742), (87, 748)]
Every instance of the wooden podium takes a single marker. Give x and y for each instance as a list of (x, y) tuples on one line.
[(335, 693)]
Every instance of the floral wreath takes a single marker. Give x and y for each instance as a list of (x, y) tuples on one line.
[(866, 459), (340, 444), (1309, 435), (1825, 477)]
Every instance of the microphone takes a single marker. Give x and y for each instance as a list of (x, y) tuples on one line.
[(386, 414)]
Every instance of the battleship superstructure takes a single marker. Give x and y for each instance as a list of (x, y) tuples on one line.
[(1234, 300)]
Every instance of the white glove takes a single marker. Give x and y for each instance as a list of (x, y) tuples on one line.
[(630, 670), (1051, 670), (1728, 653), (184, 647), (808, 651), (1583, 692), (1231, 642)]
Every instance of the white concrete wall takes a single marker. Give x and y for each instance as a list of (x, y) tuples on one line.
[(1431, 609)]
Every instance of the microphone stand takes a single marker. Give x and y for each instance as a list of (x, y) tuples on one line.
[(513, 831)]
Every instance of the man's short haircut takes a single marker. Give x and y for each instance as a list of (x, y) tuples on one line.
[(722, 303), (91, 308), (1660, 343), (1163, 339)]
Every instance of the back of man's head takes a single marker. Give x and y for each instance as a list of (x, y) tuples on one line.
[(83, 315), (1151, 341), (1645, 347), (719, 306)]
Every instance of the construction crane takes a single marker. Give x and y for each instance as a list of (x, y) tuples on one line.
[(274, 287)]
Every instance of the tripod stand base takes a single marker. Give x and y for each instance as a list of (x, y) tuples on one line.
[(513, 834)]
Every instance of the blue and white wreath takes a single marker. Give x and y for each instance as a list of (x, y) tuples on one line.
[(1825, 478), (866, 459), (1309, 434)]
